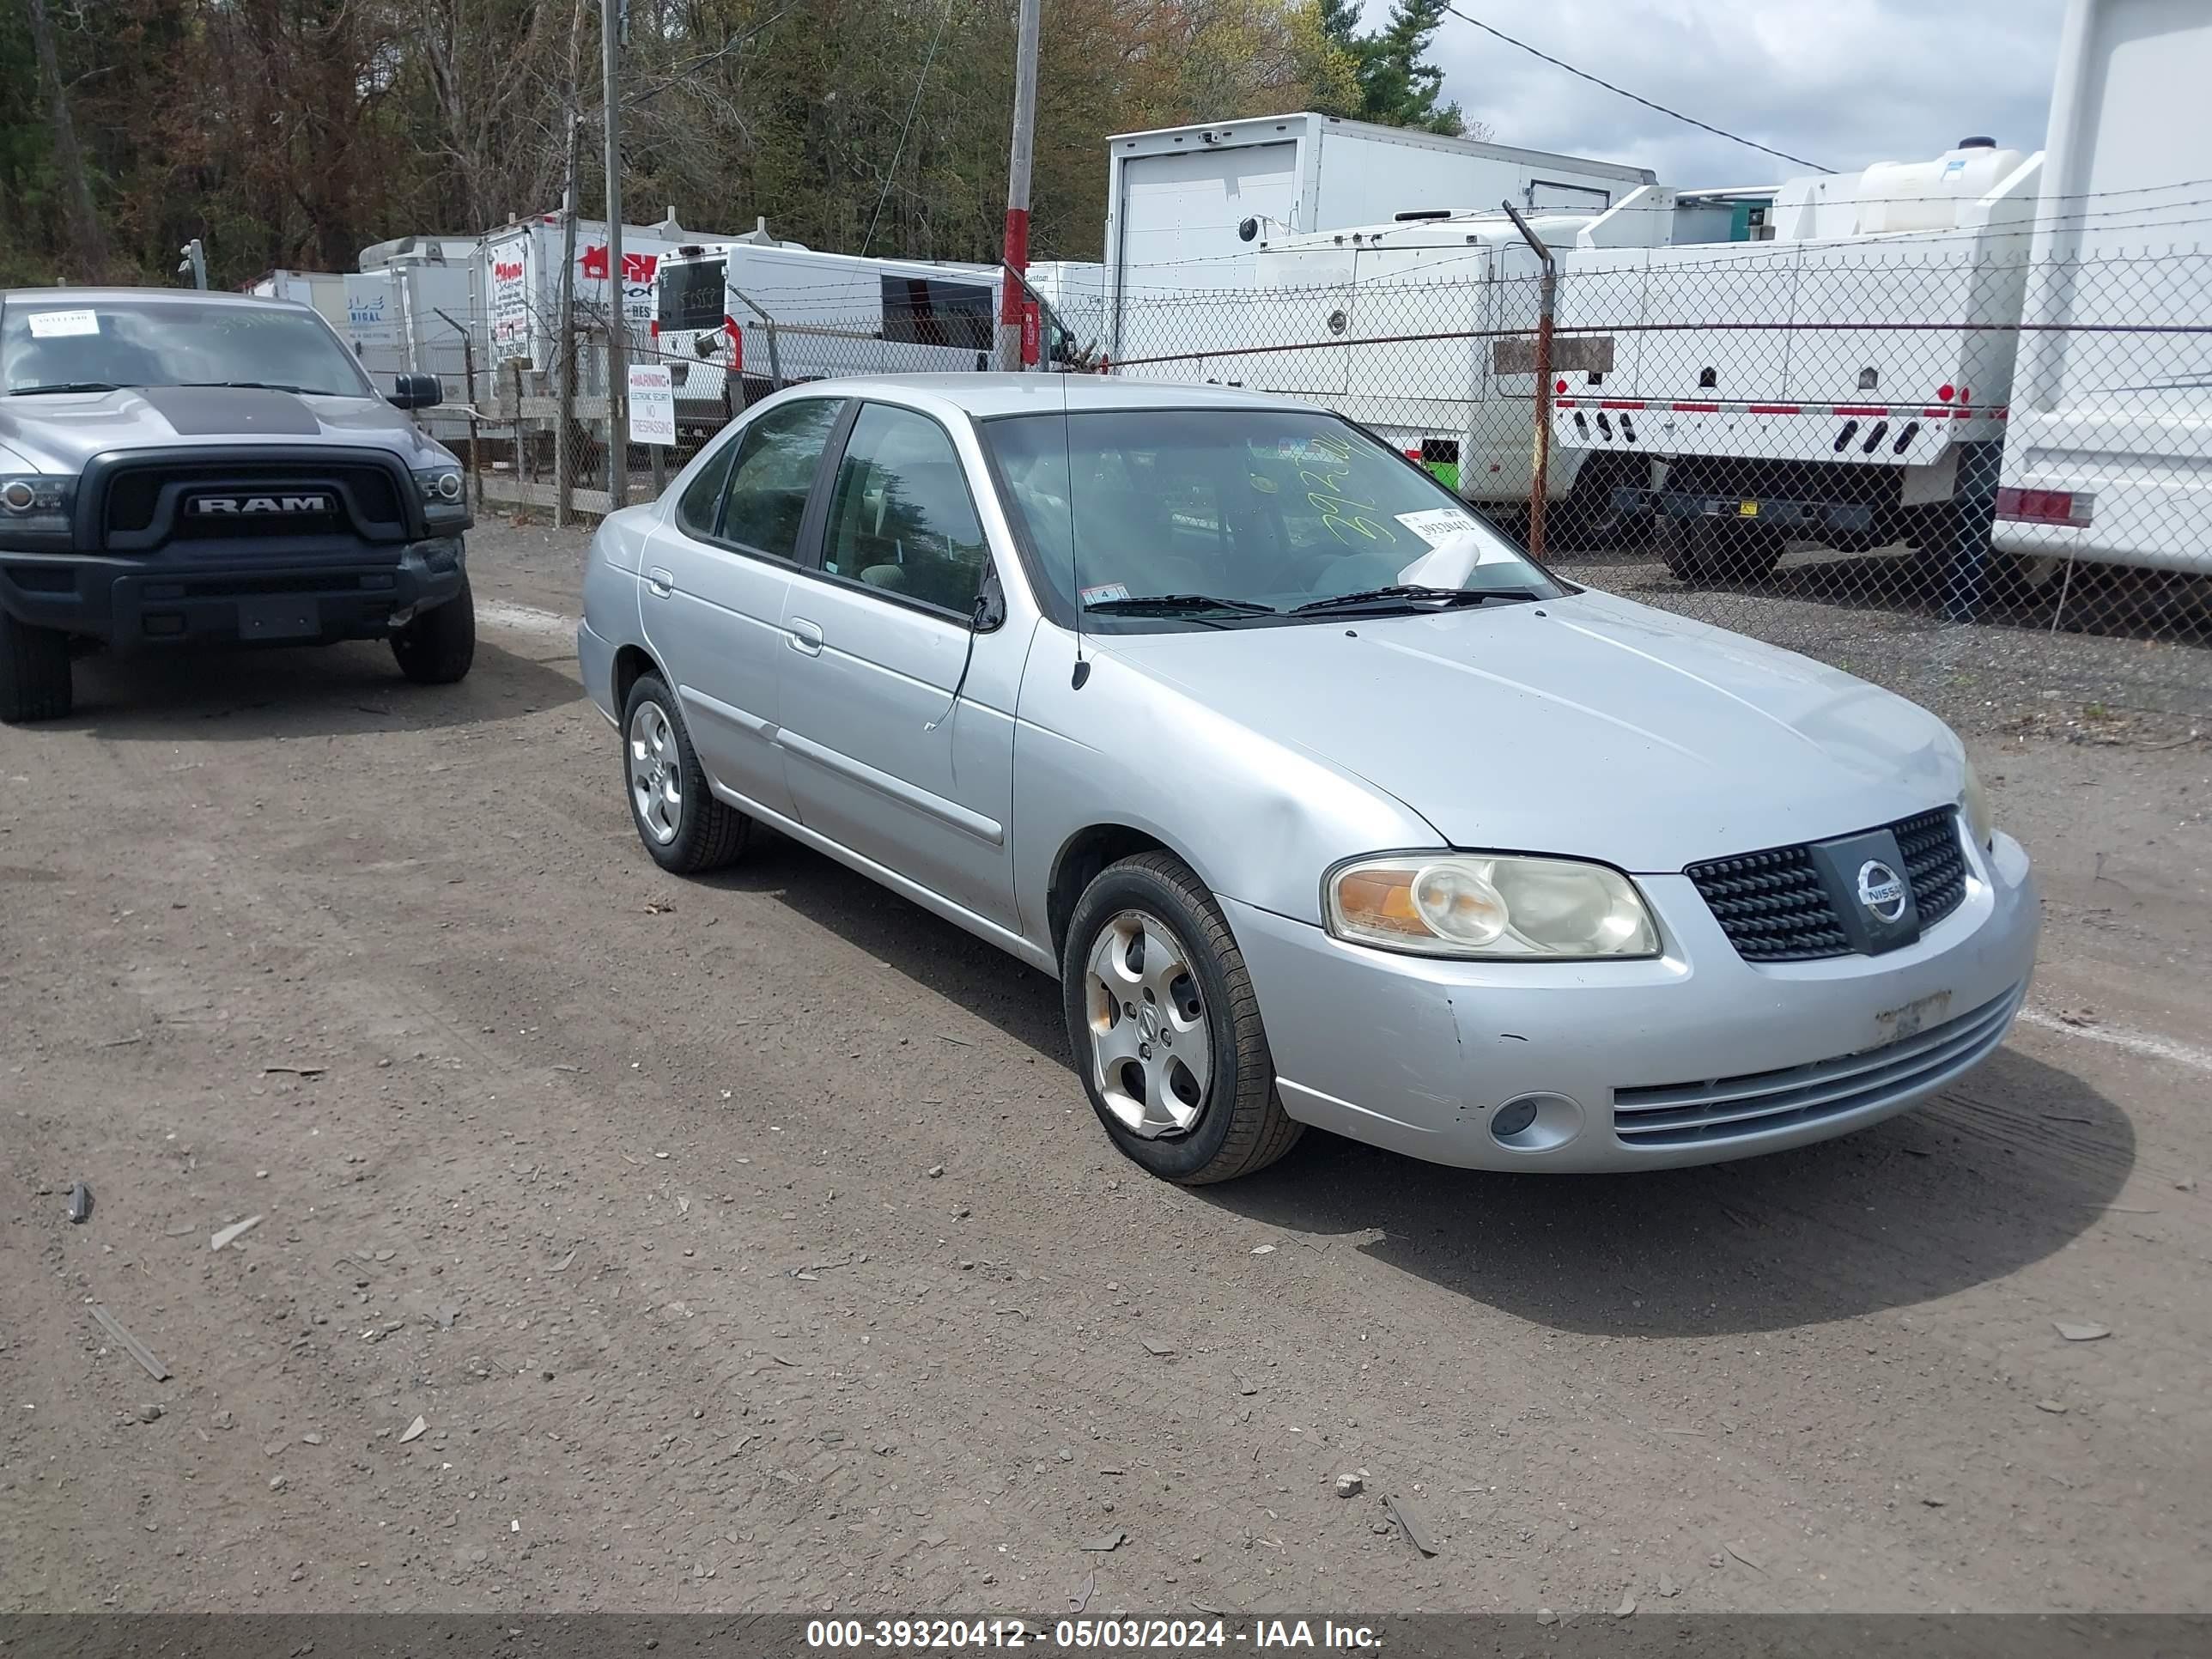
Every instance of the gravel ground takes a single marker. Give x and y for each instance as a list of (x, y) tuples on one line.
[(626, 1188)]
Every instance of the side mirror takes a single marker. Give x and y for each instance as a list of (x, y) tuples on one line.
[(988, 613), (416, 391)]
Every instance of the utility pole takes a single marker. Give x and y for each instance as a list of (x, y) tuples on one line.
[(195, 262), (564, 431), (1017, 255), (564, 472), (618, 374)]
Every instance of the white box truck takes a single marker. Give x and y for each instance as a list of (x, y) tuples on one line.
[(518, 287), (1186, 208), (2108, 450)]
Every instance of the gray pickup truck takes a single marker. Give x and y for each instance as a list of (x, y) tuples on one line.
[(180, 468)]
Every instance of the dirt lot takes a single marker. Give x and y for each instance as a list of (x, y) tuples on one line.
[(627, 1188)]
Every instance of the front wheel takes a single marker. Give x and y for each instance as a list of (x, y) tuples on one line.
[(34, 672), (436, 646), (1165, 1027)]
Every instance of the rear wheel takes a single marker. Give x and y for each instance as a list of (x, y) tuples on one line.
[(34, 672), (1165, 1027), (1706, 549), (685, 827), (435, 647)]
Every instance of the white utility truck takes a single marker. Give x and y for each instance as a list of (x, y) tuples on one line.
[(1827, 384)]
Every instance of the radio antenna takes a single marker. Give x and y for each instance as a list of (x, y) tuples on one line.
[(1082, 671)]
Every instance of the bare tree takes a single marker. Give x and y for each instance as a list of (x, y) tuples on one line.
[(87, 242)]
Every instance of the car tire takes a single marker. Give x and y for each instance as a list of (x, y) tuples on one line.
[(1709, 550), (435, 647), (34, 672), (687, 831), (1197, 988)]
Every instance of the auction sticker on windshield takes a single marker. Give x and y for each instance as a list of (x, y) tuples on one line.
[(62, 324), (1105, 593), (1437, 525)]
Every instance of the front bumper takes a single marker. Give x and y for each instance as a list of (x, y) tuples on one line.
[(1712, 1057), (132, 603)]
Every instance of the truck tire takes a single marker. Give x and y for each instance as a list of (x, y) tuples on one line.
[(435, 647), (1710, 550), (1148, 956), (34, 672)]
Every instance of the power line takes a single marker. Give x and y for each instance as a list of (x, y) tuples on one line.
[(899, 149), (1623, 92)]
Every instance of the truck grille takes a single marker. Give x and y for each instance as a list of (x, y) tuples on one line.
[(367, 496), (1759, 1102), (1773, 908)]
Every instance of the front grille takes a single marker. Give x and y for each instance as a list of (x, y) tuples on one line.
[(134, 499), (1934, 863), (1759, 1102), (1773, 908)]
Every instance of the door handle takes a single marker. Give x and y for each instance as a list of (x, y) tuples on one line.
[(806, 636), (660, 582)]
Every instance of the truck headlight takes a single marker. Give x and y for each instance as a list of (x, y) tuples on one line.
[(1459, 904), (1974, 803), (443, 490), (35, 510)]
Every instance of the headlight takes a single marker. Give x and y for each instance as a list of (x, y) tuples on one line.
[(1455, 904), (1974, 802), (35, 510), (442, 487)]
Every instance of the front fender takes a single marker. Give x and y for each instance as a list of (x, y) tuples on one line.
[(1257, 820)]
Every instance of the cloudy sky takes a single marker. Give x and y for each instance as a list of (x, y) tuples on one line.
[(1841, 83)]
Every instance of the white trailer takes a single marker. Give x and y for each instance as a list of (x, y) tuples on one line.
[(717, 305), (1187, 206), (1822, 386), (323, 290), (517, 288), (408, 311), (2105, 455)]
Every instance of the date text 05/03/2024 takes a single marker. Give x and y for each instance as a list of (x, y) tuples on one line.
[(1084, 1634)]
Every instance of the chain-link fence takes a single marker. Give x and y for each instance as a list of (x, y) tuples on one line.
[(1940, 431), (1949, 433)]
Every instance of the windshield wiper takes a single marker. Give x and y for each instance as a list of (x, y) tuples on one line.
[(1426, 599), (250, 385), (64, 385), (1174, 605)]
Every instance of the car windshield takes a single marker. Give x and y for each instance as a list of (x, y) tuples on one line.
[(1176, 518), (61, 341)]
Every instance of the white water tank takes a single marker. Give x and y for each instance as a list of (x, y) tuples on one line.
[(1895, 196)]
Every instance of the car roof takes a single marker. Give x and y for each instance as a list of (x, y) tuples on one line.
[(981, 396), (81, 296)]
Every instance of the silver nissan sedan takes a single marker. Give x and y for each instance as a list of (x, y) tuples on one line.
[(1322, 802)]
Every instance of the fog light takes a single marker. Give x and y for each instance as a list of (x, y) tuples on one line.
[(1512, 1119), (1537, 1122)]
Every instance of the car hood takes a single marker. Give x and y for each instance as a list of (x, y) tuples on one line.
[(1586, 725), (60, 432)]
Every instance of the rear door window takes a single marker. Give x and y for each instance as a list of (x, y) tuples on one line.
[(777, 456)]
